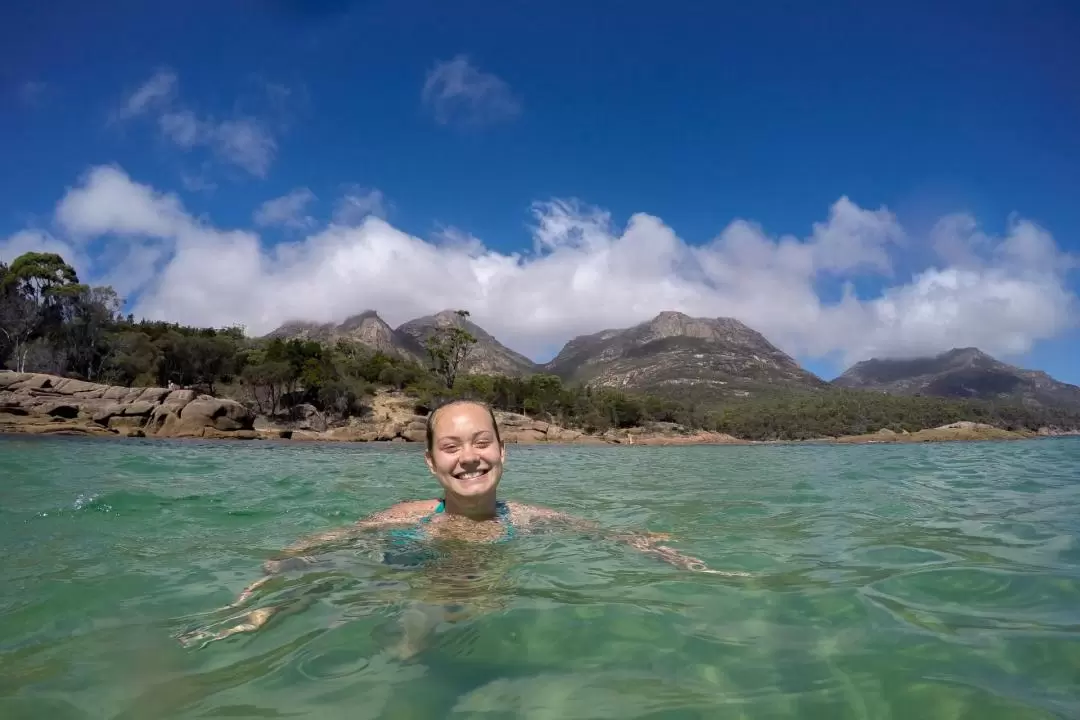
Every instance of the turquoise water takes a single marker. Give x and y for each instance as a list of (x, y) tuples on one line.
[(921, 581)]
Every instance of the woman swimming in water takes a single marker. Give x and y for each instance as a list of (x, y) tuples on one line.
[(466, 456)]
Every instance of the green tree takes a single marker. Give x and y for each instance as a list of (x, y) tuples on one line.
[(269, 381), (36, 289), (448, 347), (9, 311), (133, 359), (545, 394), (82, 339)]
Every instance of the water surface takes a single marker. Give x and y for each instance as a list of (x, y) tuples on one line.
[(888, 581)]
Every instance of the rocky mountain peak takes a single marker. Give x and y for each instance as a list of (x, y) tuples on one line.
[(670, 323), (366, 328), (966, 355), (449, 317), (675, 353), (369, 329), (963, 373), (488, 355), (368, 317)]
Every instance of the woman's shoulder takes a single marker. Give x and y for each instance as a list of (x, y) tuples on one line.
[(528, 512), (404, 511)]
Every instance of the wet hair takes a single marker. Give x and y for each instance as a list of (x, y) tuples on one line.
[(430, 425)]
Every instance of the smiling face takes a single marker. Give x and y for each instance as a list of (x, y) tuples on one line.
[(465, 456)]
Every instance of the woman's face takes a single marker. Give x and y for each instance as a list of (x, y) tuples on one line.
[(465, 456)]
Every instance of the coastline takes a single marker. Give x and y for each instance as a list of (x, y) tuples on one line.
[(39, 404), (931, 436)]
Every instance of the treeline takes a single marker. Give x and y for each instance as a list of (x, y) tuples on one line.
[(546, 397), (836, 412), (788, 416), (51, 322)]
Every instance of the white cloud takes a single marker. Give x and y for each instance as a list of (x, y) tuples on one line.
[(458, 92), (1001, 310), (108, 202), (854, 238), (243, 141), (357, 204), (140, 226), (958, 240), (197, 183), (184, 128), (26, 241), (452, 238), (585, 274), (155, 92), (287, 210)]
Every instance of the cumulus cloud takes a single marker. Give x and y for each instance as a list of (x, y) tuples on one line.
[(243, 141), (107, 202), (585, 273), (357, 204), (288, 210), (26, 241), (138, 225), (456, 91)]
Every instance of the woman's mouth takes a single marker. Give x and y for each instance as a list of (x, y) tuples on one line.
[(470, 474)]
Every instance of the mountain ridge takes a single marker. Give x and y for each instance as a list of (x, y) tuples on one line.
[(672, 352), (366, 328), (487, 356), (965, 372)]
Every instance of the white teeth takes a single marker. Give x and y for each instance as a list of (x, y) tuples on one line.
[(470, 475)]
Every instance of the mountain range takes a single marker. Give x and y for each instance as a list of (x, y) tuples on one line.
[(406, 341), (487, 356), (960, 373), (675, 355)]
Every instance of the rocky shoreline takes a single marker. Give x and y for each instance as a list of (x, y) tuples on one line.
[(41, 404), (47, 404)]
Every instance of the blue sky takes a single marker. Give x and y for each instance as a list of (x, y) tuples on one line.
[(695, 114)]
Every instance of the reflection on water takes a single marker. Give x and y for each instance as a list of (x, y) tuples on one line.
[(887, 582)]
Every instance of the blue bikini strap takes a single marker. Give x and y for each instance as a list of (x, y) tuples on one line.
[(502, 511), (437, 511)]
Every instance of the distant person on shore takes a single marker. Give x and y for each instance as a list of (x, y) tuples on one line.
[(466, 455)]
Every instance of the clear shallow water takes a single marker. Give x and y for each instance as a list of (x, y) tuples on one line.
[(929, 581)]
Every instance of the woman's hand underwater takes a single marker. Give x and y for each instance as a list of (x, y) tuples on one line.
[(647, 543)]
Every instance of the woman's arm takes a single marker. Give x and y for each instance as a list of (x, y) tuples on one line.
[(299, 553), (645, 542)]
